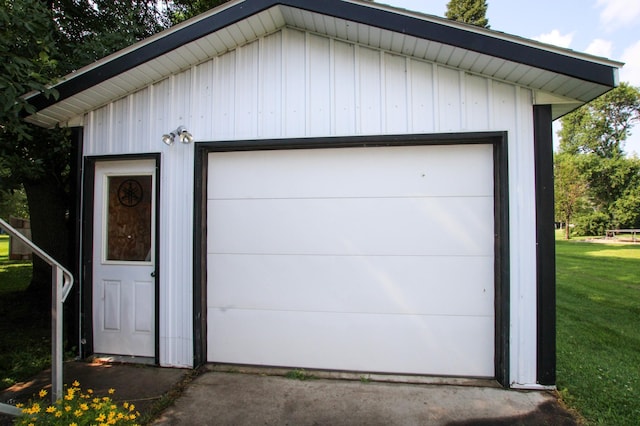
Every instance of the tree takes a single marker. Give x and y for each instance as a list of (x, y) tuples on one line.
[(594, 137), (570, 188), (468, 11), (182, 10), (26, 49), (13, 203), (41, 40), (602, 126)]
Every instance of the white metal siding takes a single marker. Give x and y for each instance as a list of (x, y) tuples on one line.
[(367, 91)]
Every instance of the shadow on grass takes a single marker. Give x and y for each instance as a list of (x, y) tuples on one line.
[(25, 329)]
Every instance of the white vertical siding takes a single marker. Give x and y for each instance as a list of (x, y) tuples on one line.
[(368, 77), (344, 88), (295, 84)]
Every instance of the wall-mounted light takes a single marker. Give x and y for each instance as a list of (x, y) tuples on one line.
[(181, 132)]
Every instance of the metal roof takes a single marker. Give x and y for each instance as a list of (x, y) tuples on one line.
[(560, 77)]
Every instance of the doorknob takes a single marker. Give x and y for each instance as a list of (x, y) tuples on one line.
[(153, 274)]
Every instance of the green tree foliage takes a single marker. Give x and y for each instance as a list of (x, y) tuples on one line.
[(182, 10), (592, 140), (41, 40), (468, 11), (570, 188), (602, 126), (88, 30), (26, 64), (13, 203)]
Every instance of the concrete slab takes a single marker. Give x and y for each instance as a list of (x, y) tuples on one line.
[(217, 398), (257, 396)]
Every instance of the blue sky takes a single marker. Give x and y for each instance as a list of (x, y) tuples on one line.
[(608, 28)]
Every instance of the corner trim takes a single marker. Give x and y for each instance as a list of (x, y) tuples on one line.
[(545, 247)]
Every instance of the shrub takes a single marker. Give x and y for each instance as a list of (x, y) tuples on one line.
[(77, 408), (591, 224)]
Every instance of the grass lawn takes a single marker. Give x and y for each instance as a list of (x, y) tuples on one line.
[(598, 308), (4, 247)]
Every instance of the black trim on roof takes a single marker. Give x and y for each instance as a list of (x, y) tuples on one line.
[(363, 14)]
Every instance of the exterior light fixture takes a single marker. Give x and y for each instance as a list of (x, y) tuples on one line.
[(181, 132)]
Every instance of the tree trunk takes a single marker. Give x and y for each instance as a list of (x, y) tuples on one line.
[(567, 233), (48, 209)]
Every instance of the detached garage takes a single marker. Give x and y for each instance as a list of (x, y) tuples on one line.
[(336, 185)]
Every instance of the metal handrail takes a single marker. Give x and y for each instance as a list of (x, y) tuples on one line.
[(63, 281)]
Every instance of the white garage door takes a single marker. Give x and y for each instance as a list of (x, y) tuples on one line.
[(373, 259)]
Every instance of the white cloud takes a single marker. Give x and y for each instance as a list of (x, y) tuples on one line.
[(631, 70), (555, 38), (619, 12), (600, 47)]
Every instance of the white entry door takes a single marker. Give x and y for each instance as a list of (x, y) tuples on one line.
[(123, 258)]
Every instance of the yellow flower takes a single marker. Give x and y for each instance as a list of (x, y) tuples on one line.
[(84, 407), (67, 408), (19, 405), (112, 391), (113, 407), (58, 414), (105, 398), (125, 405), (35, 408), (43, 393), (132, 407), (31, 424), (76, 383), (73, 424), (90, 391), (101, 418), (51, 409), (77, 413)]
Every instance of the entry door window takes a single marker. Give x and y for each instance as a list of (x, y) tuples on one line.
[(129, 223)]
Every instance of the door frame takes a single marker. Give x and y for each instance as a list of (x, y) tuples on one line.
[(88, 207), (499, 141)]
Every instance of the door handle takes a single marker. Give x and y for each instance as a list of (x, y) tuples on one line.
[(153, 274)]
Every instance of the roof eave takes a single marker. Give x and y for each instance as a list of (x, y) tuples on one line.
[(597, 71)]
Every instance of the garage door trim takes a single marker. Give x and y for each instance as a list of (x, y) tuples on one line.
[(501, 219)]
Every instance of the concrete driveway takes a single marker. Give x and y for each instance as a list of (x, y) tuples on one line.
[(237, 395), (223, 398)]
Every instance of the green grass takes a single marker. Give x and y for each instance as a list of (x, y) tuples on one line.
[(598, 308), (4, 247)]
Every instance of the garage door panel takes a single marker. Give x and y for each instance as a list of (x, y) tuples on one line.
[(361, 226), (436, 285), (402, 344), (366, 259), (352, 172)]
